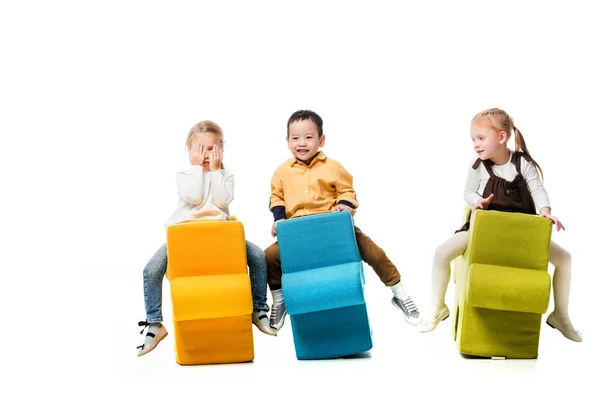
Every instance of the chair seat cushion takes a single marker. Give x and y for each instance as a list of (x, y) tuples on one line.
[(508, 288), (323, 288), (217, 296)]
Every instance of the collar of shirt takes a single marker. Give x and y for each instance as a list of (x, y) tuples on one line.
[(320, 156)]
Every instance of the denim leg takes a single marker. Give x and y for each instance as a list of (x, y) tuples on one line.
[(154, 273), (257, 264)]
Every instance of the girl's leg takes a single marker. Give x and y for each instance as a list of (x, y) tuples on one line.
[(440, 277), (257, 265), (154, 273), (561, 282)]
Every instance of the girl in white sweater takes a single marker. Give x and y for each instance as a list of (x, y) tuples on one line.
[(205, 192)]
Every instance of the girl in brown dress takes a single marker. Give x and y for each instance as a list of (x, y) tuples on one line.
[(504, 180)]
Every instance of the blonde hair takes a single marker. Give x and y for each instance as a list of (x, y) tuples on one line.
[(499, 120), (206, 127)]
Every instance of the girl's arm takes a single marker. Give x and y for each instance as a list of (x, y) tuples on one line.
[(472, 185), (538, 193), (535, 185), (221, 184), (190, 185)]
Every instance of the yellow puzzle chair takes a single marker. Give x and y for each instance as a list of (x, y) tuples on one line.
[(210, 292), (502, 285)]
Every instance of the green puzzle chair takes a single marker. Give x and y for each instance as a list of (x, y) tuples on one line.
[(502, 285)]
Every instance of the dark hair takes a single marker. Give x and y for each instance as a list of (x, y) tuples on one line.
[(301, 115)]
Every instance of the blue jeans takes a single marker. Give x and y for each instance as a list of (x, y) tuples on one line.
[(156, 268)]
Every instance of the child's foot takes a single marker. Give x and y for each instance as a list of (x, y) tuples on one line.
[(278, 313), (439, 316), (403, 301), (261, 320), (156, 333), (410, 310), (564, 325), (278, 309)]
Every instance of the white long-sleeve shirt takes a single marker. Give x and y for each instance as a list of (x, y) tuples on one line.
[(477, 180), (203, 195)]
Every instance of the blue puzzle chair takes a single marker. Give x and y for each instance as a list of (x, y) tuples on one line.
[(322, 284)]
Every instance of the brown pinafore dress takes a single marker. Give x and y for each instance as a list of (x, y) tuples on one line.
[(508, 196)]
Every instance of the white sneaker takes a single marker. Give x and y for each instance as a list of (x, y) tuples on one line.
[(261, 320)]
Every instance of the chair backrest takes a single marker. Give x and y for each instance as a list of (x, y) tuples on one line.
[(509, 239), (197, 248), (316, 241)]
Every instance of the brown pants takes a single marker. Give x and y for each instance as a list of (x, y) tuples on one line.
[(369, 251)]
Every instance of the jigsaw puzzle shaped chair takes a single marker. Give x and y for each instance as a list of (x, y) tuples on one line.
[(502, 285), (323, 286), (210, 292)]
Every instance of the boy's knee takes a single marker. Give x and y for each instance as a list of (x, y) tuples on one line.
[(272, 252)]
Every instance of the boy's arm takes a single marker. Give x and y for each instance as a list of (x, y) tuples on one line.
[(278, 213), (344, 191), (277, 201), (277, 195)]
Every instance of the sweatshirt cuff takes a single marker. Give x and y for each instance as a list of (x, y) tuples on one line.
[(278, 212), (347, 203)]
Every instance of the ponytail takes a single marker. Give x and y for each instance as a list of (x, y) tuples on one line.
[(520, 145)]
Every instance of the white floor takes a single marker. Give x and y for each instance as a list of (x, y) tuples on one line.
[(402, 362)]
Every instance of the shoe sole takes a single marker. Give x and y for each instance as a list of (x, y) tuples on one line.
[(437, 323), (264, 329), (154, 343), (562, 333), (280, 324), (434, 326)]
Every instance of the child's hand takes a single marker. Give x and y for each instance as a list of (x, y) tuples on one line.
[(197, 154), (482, 203), (545, 212), (214, 159), (274, 228), (341, 207)]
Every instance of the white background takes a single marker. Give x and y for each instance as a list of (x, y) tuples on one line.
[(96, 99)]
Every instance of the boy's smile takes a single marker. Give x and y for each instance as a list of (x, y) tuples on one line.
[(303, 139)]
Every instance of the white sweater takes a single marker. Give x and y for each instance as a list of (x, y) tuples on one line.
[(477, 179), (203, 195)]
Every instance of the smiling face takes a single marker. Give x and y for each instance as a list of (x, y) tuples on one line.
[(487, 142), (303, 139)]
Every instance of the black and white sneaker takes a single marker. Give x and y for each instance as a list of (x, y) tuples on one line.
[(278, 313), (410, 310)]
